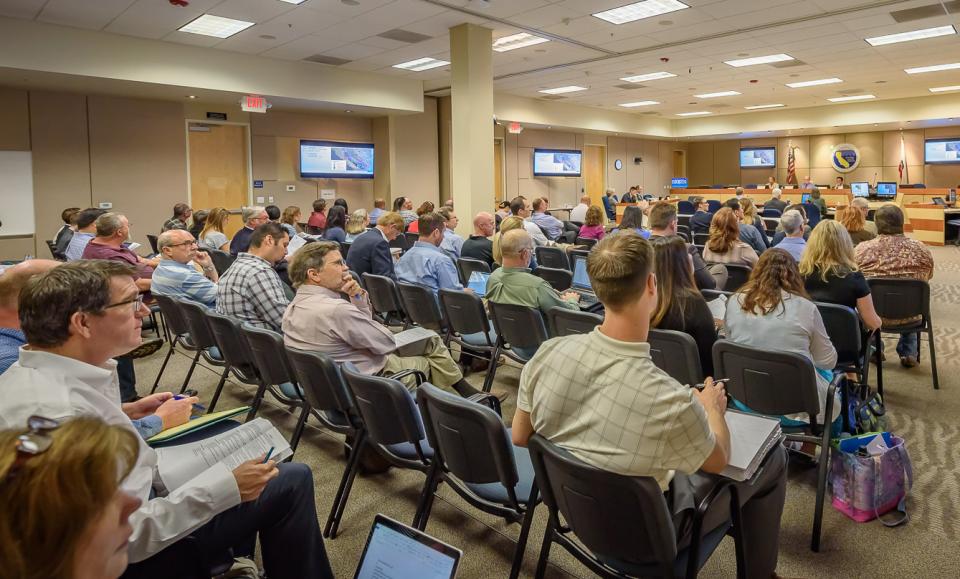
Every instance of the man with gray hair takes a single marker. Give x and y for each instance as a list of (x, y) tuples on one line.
[(610, 203), (253, 217), (864, 206), (113, 229), (793, 243), (176, 275), (775, 201)]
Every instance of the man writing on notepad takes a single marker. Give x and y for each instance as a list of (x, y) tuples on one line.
[(600, 396)]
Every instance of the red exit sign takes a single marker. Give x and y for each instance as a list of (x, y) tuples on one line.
[(254, 104)]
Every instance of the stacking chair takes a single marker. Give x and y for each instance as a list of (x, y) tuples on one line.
[(153, 243), (770, 226), (551, 257), (676, 354), (685, 208), (473, 453), (519, 327), (589, 242), (899, 299), (701, 238), (559, 279), (848, 337), (385, 298), (236, 353), (179, 334), (466, 266), (564, 322), (622, 524), (468, 326), (421, 306), (345, 248), (201, 337), (777, 383), (770, 212), (713, 205), (737, 275), (411, 238), (400, 242), (221, 260)]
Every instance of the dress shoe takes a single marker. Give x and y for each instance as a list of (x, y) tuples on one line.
[(909, 361)]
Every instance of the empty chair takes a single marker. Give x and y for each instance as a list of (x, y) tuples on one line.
[(683, 220), (466, 266), (904, 299), (586, 241), (713, 205), (238, 356), (473, 454), (519, 327), (623, 524), (676, 354), (770, 225), (201, 337), (467, 324), (564, 322), (847, 335), (385, 298), (411, 238), (737, 275), (221, 260), (685, 208), (770, 212), (559, 279), (701, 238), (421, 306), (153, 243), (179, 334), (551, 257)]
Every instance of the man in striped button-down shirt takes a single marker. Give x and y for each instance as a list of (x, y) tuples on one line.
[(176, 275)]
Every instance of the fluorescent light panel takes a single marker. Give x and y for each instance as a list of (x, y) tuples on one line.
[(912, 35), (516, 41), (945, 88), (713, 95), (934, 68), (639, 104), (564, 89), (294, 1), (421, 64), (694, 114), (856, 97), (216, 26), (817, 82), (649, 76), (758, 107), (758, 60), (640, 10)]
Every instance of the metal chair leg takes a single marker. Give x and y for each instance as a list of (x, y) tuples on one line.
[(156, 383), (491, 370), (524, 534), (216, 393), (879, 364), (301, 423), (193, 366), (933, 357), (257, 399), (343, 491), (545, 549)]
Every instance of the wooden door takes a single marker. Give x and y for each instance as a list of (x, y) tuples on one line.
[(218, 170), (679, 164), (497, 171), (594, 173)]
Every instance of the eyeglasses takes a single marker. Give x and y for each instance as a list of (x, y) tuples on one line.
[(339, 262), (191, 242), (137, 304), (36, 441)]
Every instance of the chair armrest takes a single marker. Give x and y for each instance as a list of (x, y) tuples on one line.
[(420, 376)]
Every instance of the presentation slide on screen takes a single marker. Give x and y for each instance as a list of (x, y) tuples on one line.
[(943, 151), (556, 163), (393, 555), (758, 157), (338, 160)]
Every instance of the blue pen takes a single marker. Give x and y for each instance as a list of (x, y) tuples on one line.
[(269, 453), (197, 408)]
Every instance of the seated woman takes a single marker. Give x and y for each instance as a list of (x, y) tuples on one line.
[(290, 221), (680, 306), (724, 245), (752, 217), (425, 207), (819, 201), (852, 219), (357, 224), (830, 273), (779, 233), (212, 235), (64, 512), (632, 220), (317, 221), (336, 221), (773, 311), (592, 227)]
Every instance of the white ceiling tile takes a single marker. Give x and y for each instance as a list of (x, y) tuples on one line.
[(192, 39), (252, 10), (341, 9), (440, 24), (25, 9), (93, 15), (354, 51), (152, 19)]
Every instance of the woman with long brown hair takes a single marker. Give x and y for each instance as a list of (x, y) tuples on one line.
[(212, 236), (773, 311), (724, 245), (680, 306), (854, 222)]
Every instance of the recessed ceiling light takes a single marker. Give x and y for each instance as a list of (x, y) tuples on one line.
[(267, 37), (945, 88), (517, 41), (694, 114), (817, 82), (770, 106), (564, 89), (640, 10), (759, 60), (421, 64), (350, 2), (856, 97), (639, 104), (294, 1), (713, 95), (912, 35), (934, 68), (217, 26), (649, 76), (348, 111), (191, 96)]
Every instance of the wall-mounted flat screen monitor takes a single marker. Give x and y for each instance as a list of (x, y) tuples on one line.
[(941, 151), (860, 189), (758, 157), (336, 160), (886, 190), (556, 163)]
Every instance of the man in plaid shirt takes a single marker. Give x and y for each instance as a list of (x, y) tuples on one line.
[(250, 289)]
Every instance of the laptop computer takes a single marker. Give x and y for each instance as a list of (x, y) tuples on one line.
[(804, 198), (396, 551), (581, 284), (478, 283)]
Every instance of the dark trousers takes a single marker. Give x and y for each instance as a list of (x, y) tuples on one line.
[(285, 517), (128, 379)]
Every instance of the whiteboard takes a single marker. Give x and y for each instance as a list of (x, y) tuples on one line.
[(16, 193)]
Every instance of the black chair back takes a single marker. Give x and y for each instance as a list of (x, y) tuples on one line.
[(551, 257), (589, 242), (411, 238), (559, 279), (194, 314), (701, 238), (676, 354), (221, 260), (685, 208), (384, 296), (466, 266), (843, 327), (770, 212), (345, 248), (464, 312), (895, 299), (153, 242), (737, 275), (322, 382), (519, 326), (388, 410), (770, 225), (233, 345), (564, 322), (173, 317), (421, 306), (269, 354)]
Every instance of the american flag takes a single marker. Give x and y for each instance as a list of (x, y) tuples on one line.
[(791, 168)]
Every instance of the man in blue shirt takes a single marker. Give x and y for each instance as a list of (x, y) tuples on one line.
[(86, 230), (379, 208), (176, 276), (253, 217), (793, 243), (425, 263), (749, 234), (550, 224), (452, 242), (11, 282)]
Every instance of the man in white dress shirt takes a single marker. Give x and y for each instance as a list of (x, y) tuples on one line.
[(76, 318)]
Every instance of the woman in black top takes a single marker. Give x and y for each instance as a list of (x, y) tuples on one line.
[(830, 272), (680, 306)]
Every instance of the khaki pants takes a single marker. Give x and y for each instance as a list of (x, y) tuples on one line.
[(435, 362)]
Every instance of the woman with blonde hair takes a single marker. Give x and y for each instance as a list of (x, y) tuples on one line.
[(592, 227), (290, 220), (512, 222), (212, 236), (64, 514), (752, 217), (724, 245), (357, 224), (830, 272), (853, 220)]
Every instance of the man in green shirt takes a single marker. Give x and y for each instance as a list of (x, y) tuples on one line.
[(514, 284)]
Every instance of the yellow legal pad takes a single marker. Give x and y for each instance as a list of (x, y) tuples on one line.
[(196, 424)]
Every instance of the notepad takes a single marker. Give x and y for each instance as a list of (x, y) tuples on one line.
[(413, 341), (195, 424), (751, 438), (718, 307)]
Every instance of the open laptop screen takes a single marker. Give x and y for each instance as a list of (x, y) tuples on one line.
[(396, 551), (581, 280)]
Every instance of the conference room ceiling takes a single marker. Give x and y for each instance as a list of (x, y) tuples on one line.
[(826, 39)]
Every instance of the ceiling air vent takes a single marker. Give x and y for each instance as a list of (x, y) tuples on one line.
[(404, 36), (788, 63), (324, 59), (552, 97)]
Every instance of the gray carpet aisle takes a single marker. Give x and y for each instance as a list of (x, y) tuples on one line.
[(927, 419)]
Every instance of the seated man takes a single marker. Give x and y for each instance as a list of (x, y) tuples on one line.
[(793, 242), (319, 319), (547, 222), (370, 252), (579, 213), (452, 242), (253, 217), (62, 239), (521, 207), (425, 263), (11, 282), (86, 230), (479, 246), (661, 428), (76, 317), (775, 202), (176, 276), (250, 290), (663, 223), (379, 208), (181, 213), (113, 230), (701, 218), (514, 284), (609, 204)]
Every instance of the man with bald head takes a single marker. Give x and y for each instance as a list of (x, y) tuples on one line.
[(479, 246), (11, 282), (514, 284), (113, 229), (176, 276)]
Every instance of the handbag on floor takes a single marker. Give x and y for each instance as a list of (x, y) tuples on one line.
[(871, 477), (865, 409)]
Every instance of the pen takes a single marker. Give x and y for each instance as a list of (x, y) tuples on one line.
[(701, 386), (269, 453)]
